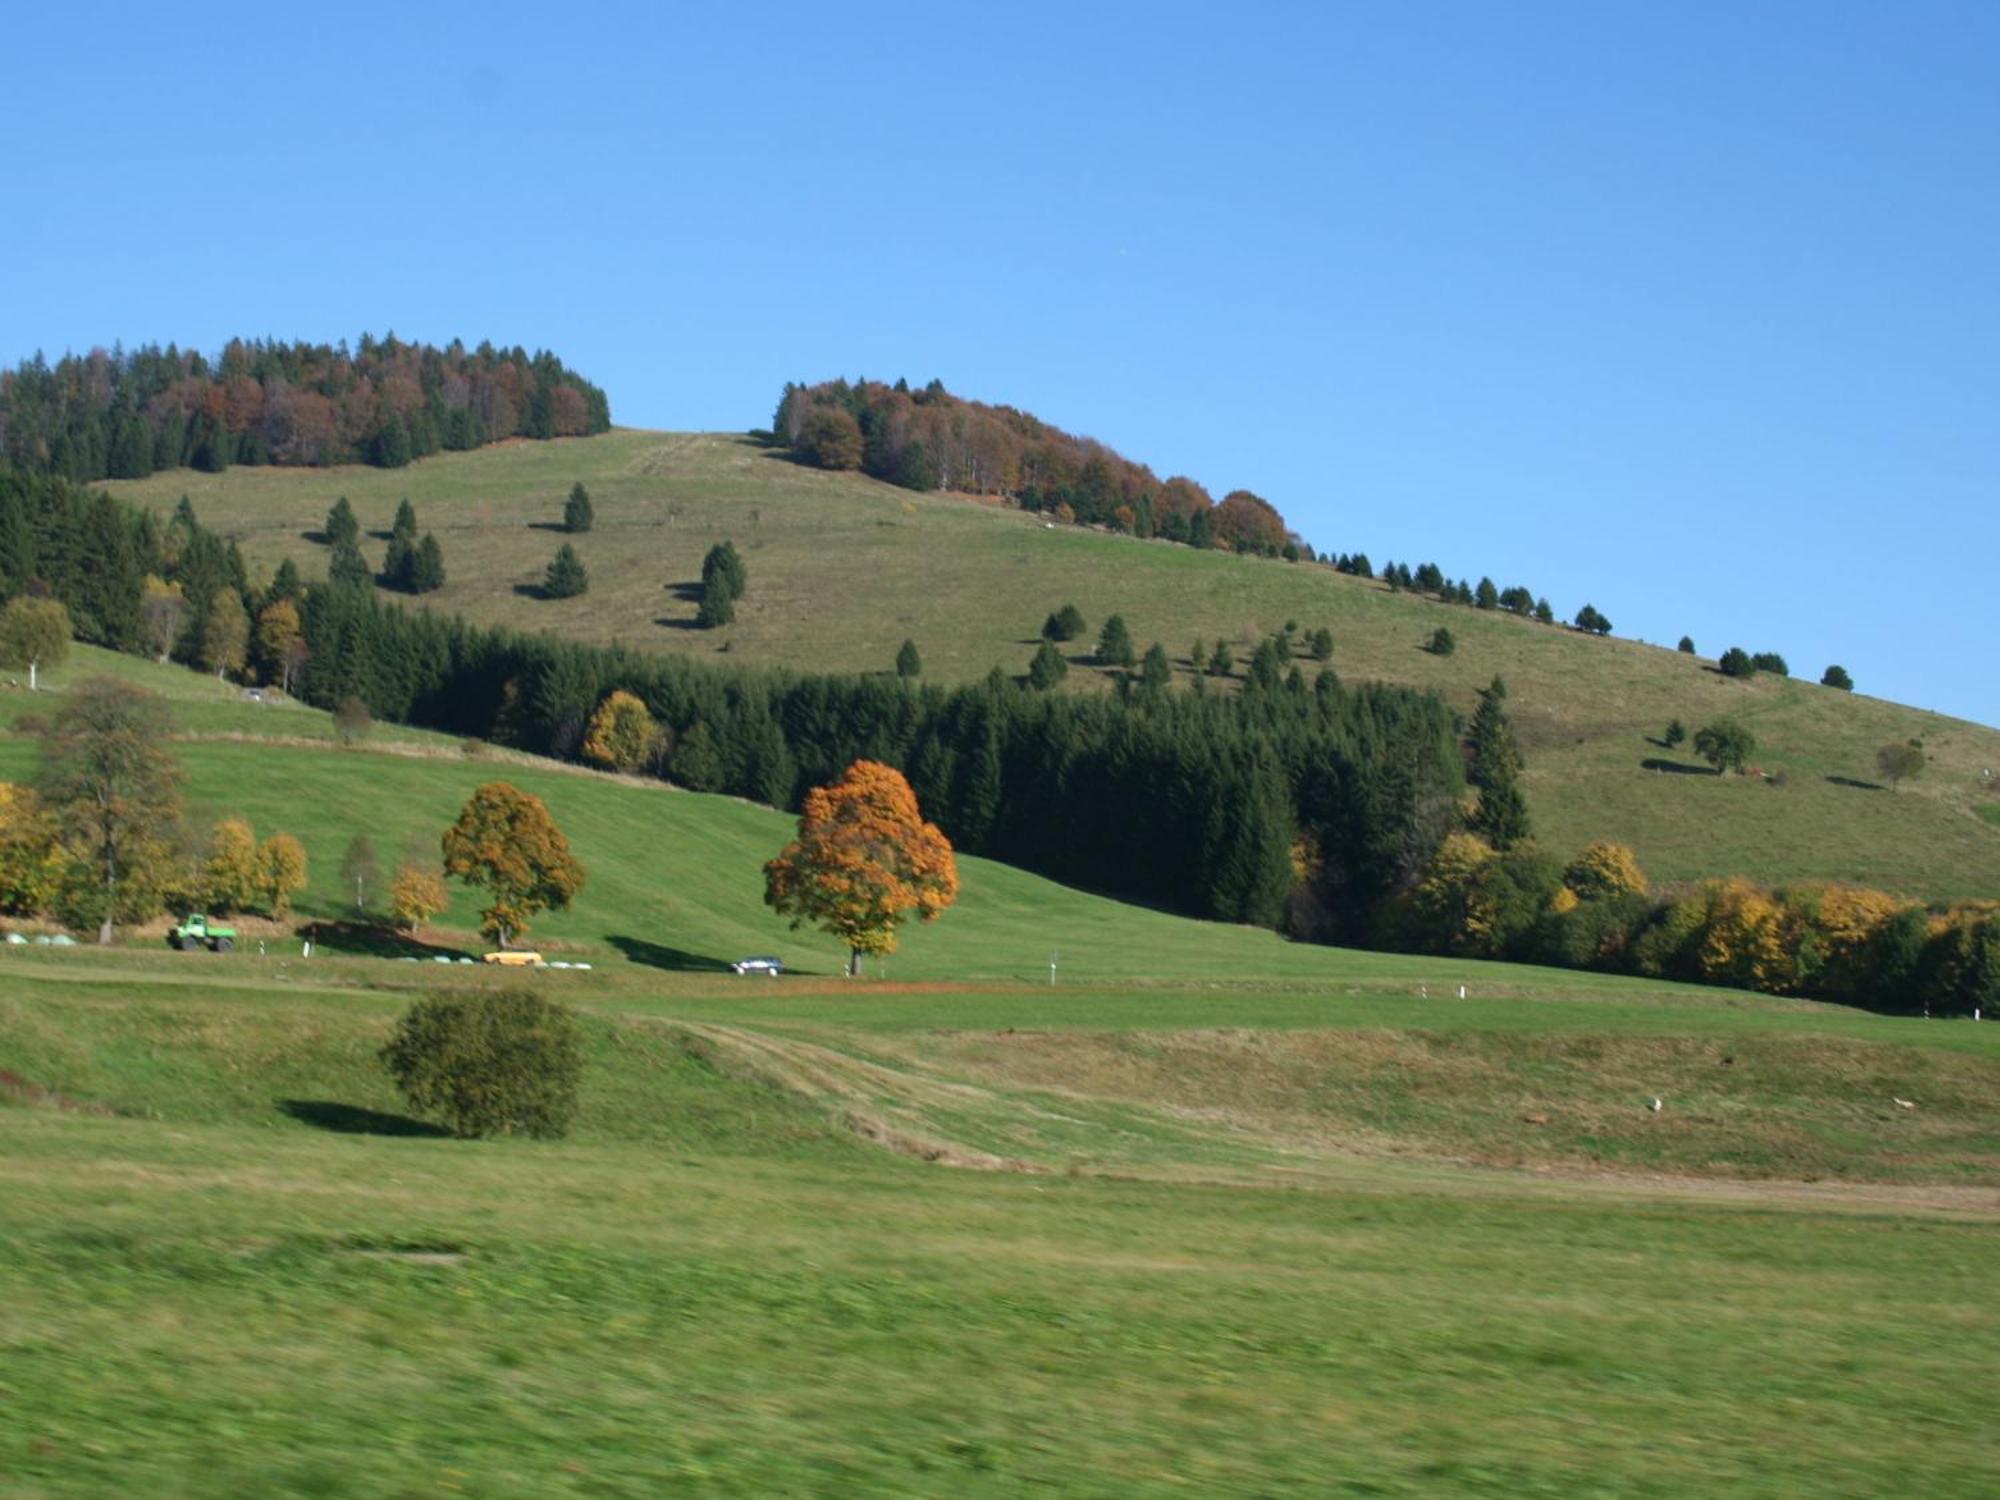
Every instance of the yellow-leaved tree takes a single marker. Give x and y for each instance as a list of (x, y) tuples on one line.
[(622, 733), (506, 841), (1745, 939), (281, 872), (231, 877), (864, 861), (1605, 869), (32, 862), (416, 895)]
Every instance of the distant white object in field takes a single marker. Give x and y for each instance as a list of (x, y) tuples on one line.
[(1461, 992), (1655, 1106), (1904, 1103)]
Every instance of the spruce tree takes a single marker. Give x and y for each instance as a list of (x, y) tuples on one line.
[(285, 583), (1222, 660), (1322, 644), (405, 525), (341, 527), (722, 569), (428, 573), (1048, 668), (1486, 596), (566, 577), (577, 514), (1114, 644), (1065, 624), (1266, 668), (1156, 672), (1676, 735), (718, 606), (908, 662), (348, 568), (1501, 817)]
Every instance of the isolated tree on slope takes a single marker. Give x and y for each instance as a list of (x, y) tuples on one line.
[(863, 863), (34, 633), (506, 841)]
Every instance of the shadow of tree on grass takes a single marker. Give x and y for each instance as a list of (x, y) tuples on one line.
[(351, 1119), (1677, 767), (660, 956)]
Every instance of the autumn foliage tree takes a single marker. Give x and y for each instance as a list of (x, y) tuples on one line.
[(505, 841), (863, 863), (416, 895), (622, 734)]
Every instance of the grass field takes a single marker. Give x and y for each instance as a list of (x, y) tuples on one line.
[(232, 1267), (1212, 1214), (842, 569)]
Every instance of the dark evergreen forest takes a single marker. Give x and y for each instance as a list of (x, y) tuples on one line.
[(125, 414)]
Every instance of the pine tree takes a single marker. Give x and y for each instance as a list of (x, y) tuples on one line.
[(566, 577), (1687, 645), (1486, 596), (578, 516)]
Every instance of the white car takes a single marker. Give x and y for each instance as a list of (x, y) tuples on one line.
[(772, 966)]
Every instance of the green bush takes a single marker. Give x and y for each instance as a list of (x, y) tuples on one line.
[(496, 1064)]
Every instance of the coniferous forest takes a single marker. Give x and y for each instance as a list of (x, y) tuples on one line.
[(122, 414)]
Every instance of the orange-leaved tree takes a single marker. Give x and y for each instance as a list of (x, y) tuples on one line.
[(864, 860), (505, 840)]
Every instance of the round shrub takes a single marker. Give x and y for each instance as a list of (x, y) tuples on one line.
[(496, 1064)]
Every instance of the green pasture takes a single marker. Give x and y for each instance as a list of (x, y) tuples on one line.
[(1215, 1263)]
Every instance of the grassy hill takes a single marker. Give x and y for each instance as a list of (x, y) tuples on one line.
[(842, 569), (1257, 1217)]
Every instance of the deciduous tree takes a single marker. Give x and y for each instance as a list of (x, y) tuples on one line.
[(506, 842), (863, 863), (281, 872), (1727, 746), (416, 895), (622, 733), (112, 786), (34, 633), (360, 871), (1901, 761)]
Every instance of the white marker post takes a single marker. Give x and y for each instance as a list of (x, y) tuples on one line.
[(1052, 969)]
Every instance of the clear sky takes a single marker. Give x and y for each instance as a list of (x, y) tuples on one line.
[(1691, 311)]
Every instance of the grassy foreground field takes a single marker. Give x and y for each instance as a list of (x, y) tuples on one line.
[(843, 569), (1214, 1214), (230, 1266)]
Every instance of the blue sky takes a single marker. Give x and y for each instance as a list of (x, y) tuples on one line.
[(1689, 311)]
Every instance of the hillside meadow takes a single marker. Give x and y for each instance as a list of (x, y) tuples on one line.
[(843, 569)]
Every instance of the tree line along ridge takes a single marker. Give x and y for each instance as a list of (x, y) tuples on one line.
[(124, 414)]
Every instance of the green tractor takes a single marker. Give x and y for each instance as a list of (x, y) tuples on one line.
[(198, 932)]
